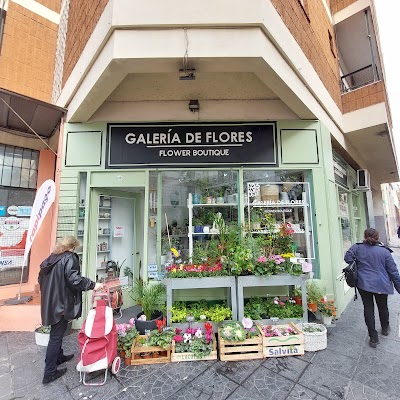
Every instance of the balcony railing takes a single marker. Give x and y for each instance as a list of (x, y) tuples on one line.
[(359, 78)]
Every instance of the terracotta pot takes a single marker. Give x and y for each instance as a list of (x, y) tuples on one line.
[(136, 356), (298, 300), (147, 355), (163, 353), (156, 354), (122, 353), (312, 307), (128, 360)]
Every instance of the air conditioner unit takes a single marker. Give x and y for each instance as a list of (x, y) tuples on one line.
[(363, 180)]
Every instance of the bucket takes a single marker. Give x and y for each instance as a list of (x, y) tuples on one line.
[(42, 339)]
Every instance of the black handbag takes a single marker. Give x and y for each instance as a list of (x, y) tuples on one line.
[(350, 274)]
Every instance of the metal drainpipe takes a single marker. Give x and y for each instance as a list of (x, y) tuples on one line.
[(370, 45)]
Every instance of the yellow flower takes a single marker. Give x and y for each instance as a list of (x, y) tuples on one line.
[(174, 252), (181, 268)]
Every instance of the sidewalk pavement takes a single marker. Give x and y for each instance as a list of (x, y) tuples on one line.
[(348, 369)]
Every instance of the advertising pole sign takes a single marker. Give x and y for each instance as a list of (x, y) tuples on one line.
[(203, 144), (44, 199)]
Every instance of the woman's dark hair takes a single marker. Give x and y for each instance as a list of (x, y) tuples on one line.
[(371, 236)]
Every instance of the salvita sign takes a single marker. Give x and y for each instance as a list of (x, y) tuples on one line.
[(44, 199), (238, 144)]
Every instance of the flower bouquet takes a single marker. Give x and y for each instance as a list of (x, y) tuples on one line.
[(282, 340), (194, 344), (240, 341)]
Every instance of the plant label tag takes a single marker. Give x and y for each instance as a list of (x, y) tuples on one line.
[(152, 267), (152, 275)]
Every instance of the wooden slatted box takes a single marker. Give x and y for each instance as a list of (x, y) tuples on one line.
[(178, 357), (162, 355)]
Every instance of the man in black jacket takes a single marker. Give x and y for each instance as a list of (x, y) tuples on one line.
[(61, 286)]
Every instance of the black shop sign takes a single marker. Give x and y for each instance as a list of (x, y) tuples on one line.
[(197, 145)]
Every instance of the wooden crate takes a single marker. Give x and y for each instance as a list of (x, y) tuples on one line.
[(178, 357), (249, 349), (136, 350), (282, 346)]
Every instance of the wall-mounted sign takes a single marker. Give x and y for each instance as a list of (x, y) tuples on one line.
[(237, 144), (119, 231), (340, 171)]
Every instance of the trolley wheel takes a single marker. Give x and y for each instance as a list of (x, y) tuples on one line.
[(116, 364)]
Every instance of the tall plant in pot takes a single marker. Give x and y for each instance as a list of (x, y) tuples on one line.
[(151, 297), (314, 295)]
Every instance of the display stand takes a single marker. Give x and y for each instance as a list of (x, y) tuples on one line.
[(228, 282), (275, 280)]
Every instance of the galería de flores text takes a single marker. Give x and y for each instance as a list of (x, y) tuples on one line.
[(188, 138), (193, 153)]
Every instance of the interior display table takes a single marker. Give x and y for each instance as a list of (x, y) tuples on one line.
[(228, 282), (274, 280)]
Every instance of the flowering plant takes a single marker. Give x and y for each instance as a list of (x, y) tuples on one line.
[(194, 270), (327, 308), (236, 331), (194, 340), (126, 335), (270, 331)]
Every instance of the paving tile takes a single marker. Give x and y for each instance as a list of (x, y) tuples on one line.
[(299, 392), (26, 375), (266, 384), (110, 389), (289, 367), (333, 361), (6, 390), (243, 394), (20, 341), (379, 370), (346, 345), (238, 371), (357, 391), (331, 385), (54, 390), (165, 380), (209, 385)]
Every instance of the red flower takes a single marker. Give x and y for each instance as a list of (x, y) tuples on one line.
[(178, 338), (160, 324), (178, 331), (208, 326)]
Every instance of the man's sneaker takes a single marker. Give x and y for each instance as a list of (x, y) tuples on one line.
[(64, 359), (373, 344), (51, 378), (385, 332)]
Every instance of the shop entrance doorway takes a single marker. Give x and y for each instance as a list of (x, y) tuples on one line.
[(118, 229)]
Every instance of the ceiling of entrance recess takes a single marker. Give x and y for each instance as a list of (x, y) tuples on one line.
[(212, 86)]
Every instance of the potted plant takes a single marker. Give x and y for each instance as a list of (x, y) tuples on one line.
[(297, 296), (314, 295), (126, 336), (327, 310), (256, 217), (152, 298), (197, 225), (42, 335)]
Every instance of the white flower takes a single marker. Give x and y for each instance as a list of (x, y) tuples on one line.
[(142, 317), (203, 317), (187, 338), (198, 334)]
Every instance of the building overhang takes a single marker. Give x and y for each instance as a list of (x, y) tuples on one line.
[(42, 117), (136, 38)]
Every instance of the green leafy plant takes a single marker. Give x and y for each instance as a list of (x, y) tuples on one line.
[(149, 295), (43, 329), (236, 331), (201, 311), (314, 292), (162, 339), (312, 328)]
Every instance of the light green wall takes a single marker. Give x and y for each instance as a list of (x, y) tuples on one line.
[(302, 145)]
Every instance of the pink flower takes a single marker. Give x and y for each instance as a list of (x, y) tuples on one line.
[(262, 259), (178, 331), (132, 321), (247, 323), (178, 338)]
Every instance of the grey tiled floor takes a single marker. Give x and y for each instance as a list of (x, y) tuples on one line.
[(347, 369)]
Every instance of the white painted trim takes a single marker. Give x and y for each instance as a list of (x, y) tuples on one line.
[(365, 117), (4, 5), (39, 9), (350, 10)]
